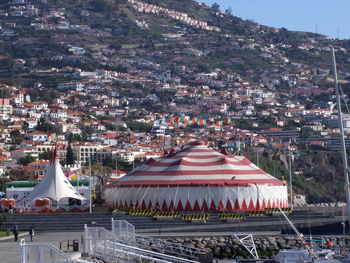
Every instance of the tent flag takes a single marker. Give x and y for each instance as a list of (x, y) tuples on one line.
[(52, 136), (202, 122)]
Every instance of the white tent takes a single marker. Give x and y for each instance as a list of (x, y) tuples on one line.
[(54, 185)]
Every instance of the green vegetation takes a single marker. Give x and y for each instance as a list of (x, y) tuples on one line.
[(26, 160), (136, 126), (45, 155), (16, 137), (70, 160), (46, 127), (316, 174), (3, 218)]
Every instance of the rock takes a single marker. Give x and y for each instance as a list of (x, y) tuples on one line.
[(221, 239), (221, 244), (227, 250), (201, 246)]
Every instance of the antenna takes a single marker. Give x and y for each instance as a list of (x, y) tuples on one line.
[(342, 136)]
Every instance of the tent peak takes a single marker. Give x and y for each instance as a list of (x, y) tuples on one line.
[(54, 155)]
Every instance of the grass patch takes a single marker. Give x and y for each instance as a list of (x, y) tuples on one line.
[(97, 46), (3, 233), (129, 46)]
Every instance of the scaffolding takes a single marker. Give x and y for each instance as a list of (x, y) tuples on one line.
[(247, 242)]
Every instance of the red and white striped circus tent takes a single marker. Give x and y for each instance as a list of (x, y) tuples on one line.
[(197, 178)]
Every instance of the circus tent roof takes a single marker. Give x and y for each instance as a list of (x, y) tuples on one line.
[(197, 165), (54, 185)]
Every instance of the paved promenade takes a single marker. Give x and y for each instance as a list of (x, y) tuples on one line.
[(10, 250)]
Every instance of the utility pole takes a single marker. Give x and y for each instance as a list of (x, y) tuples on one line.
[(90, 186), (290, 178), (116, 162)]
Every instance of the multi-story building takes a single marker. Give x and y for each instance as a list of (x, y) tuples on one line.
[(5, 109), (86, 151)]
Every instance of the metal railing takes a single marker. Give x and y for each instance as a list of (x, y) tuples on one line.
[(42, 253), (123, 230), (125, 233), (102, 243)]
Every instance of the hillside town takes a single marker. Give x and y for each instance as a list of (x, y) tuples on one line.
[(118, 105)]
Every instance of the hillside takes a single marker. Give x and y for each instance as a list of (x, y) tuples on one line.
[(49, 28), (124, 65)]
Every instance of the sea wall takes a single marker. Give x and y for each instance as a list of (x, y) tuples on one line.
[(226, 247)]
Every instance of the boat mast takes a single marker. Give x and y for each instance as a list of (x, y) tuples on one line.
[(342, 136)]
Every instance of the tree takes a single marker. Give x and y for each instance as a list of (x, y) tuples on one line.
[(25, 126), (216, 6), (45, 155), (44, 126), (228, 11), (26, 160), (138, 126), (70, 155), (16, 137), (100, 171)]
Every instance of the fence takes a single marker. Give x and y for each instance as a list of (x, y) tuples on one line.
[(102, 243), (42, 253), (123, 230)]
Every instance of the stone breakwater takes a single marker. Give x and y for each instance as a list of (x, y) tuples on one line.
[(226, 247)]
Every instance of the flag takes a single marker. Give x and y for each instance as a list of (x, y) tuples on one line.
[(211, 119), (194, 120), (177, 119), (228, 120), (52, 136), (202, 122), (186, 122), (218, 123)]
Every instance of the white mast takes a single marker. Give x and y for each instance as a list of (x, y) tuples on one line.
[(90, 186), (290, 178), (343, 148)]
